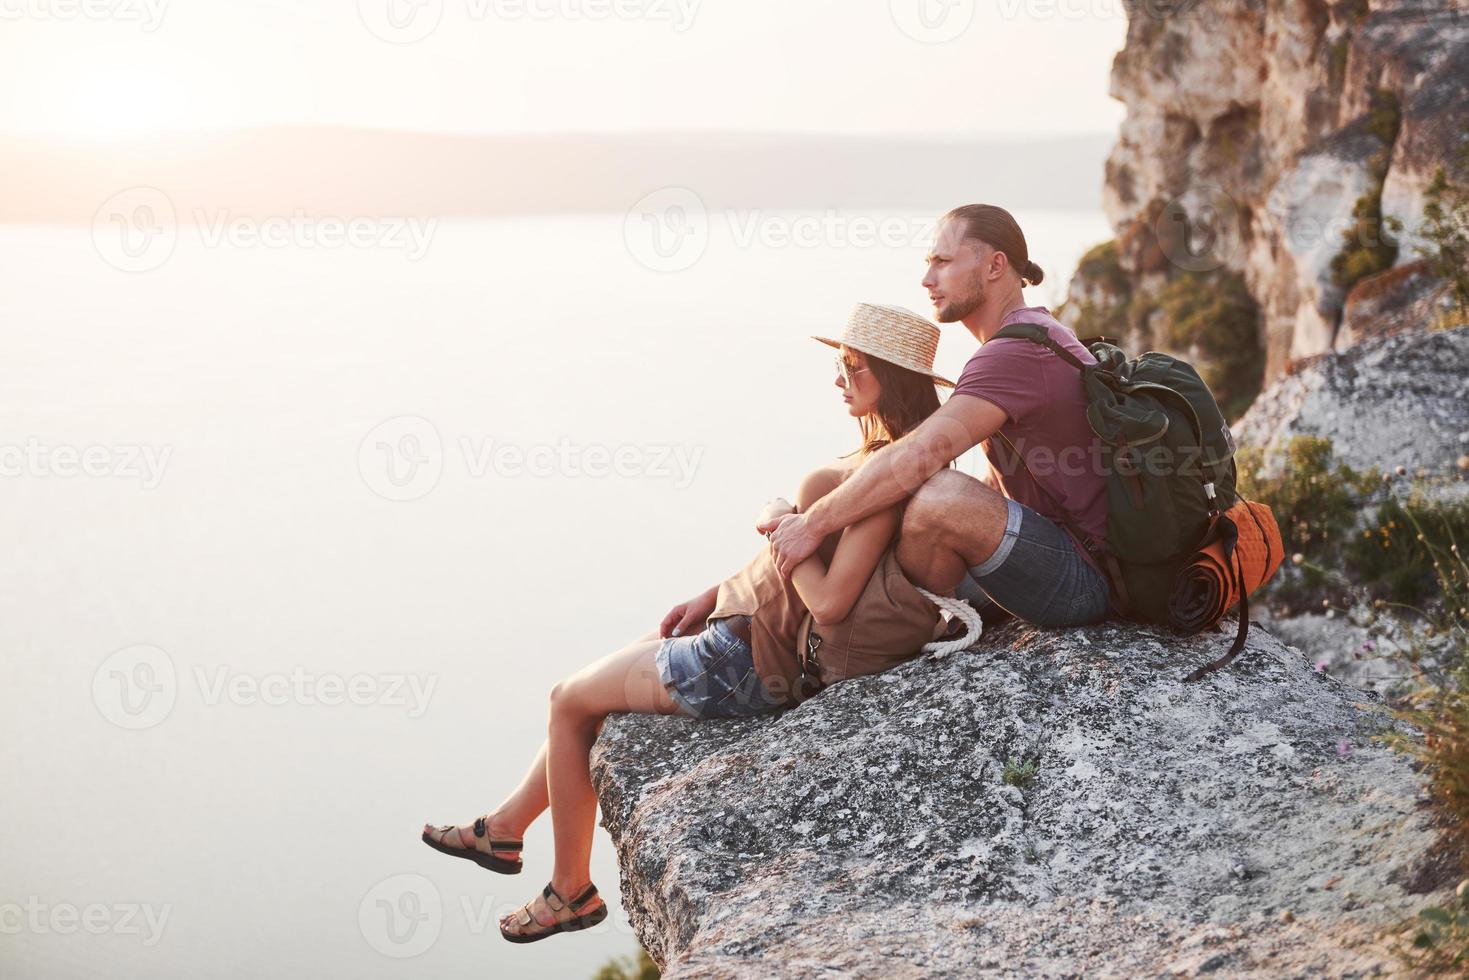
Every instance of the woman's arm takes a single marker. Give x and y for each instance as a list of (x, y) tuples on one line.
[(830, 592)]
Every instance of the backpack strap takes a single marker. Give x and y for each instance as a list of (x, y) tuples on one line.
[(1244, 600), (1111, 571), (1037, 334)]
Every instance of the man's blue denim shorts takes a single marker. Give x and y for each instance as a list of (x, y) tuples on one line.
[(1038, 574), (712, 674)]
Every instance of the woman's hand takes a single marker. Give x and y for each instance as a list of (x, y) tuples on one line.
[(773, 512), (690, 616)]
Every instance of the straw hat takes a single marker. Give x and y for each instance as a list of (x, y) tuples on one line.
[(893, 334)]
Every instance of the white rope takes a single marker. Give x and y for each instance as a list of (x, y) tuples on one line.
[(962, 611)]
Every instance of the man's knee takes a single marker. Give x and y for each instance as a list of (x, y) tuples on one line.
[(940, 502), (953, 512)]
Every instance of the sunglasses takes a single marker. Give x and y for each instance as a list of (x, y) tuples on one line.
[(845, 371)]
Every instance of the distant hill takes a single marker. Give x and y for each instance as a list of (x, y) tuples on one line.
[(358, 171)]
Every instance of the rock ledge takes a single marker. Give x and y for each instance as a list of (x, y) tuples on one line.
[(1247, 823)]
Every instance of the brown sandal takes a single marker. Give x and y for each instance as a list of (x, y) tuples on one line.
[(491, 861), (523, 918)]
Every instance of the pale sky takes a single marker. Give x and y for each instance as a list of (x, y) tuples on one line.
[(97, 68)]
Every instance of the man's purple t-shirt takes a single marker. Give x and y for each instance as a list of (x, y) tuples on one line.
[(1042, 396)]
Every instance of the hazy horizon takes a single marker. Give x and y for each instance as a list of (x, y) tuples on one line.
[(350, 172)]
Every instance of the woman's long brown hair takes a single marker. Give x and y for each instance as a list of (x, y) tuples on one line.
[(907, 399)]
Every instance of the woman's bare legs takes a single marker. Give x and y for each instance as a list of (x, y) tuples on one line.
[(624, 681), (560, 775)]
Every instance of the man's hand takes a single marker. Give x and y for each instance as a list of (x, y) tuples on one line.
[(686, 616), (791, 541)]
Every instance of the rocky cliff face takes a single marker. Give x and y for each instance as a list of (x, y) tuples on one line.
[(1388, 402), (1268, 139), (1050, 803)]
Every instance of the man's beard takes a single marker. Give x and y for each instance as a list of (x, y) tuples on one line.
[(957, 310)]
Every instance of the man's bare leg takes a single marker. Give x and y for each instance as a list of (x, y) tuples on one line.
[(951, 524)]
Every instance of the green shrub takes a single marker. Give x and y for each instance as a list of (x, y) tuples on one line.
[(1020, 772), (1367, 245), (1396, 556), (629, 968), (1441, 938), (1366, 249), (1101, 268), (1214, 314), (1439, 709), (1384, 118), (1446, 228), (1317, 502)]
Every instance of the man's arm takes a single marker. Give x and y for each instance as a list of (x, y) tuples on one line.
[(892, 474)]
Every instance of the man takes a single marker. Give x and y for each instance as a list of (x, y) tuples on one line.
[(1031, 540)]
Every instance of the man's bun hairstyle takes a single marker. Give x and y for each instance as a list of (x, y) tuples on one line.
[(998, 229)]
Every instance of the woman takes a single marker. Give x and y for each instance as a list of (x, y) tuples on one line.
[(732, 650)]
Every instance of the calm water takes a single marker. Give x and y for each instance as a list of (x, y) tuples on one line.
[(280, 589)]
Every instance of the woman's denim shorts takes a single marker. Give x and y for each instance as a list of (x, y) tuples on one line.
[(712, 674), (1038, 574)]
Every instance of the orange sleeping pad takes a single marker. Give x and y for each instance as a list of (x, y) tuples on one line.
[(1242, 550)]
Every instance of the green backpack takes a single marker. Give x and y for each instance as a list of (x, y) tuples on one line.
[(1169, 459)]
